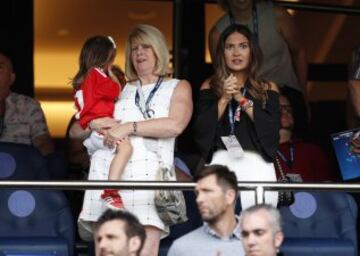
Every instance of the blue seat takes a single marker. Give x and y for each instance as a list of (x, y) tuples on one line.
[(35, 222), (320, 223), (22, 162)]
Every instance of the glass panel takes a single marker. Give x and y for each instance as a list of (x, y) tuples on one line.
[(327, 37), (61, 28), (213, 12)]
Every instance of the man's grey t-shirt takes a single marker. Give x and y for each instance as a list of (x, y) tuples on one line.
[(200, 243)]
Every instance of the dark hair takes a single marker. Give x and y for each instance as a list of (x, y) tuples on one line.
[(224, 177), (98, 51), (132, 225), (119, 75), (255, 84), (8, 56)]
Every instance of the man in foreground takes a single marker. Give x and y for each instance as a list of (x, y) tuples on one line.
[(216, 192), (261, 230), (118, 233)]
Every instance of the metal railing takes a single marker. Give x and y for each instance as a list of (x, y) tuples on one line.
[(258, 187)]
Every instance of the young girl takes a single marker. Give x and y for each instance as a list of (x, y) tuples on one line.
[(95, 96)]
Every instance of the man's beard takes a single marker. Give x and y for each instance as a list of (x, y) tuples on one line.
[(214, 218)]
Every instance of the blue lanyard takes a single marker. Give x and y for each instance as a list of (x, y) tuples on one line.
[(231, 119), (232, 116), (289, 162), (148, 112)]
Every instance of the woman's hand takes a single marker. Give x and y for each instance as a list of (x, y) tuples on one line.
[(236, 88), (232, 88), (230, 85), (228, 91), (116, 133), (103, 124)]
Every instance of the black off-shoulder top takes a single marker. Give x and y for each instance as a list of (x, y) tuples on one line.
[(260, 135)]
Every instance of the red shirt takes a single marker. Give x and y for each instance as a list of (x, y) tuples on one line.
[(99, 96), (310, 162)]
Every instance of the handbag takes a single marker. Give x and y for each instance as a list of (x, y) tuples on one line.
[(170, 204), (285, 198)]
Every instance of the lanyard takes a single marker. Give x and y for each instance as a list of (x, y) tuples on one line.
[(254, 20), (143, 106), (289, 162), (232, 115), (231, 119)]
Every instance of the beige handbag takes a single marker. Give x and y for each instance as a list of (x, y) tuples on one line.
[(170, 204)]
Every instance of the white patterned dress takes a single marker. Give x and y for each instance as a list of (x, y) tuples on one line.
[(142, 165)]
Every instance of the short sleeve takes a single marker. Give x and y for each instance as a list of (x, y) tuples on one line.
[(36, 119)]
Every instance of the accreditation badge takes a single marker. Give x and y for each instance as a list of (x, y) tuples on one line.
[(233, 146)]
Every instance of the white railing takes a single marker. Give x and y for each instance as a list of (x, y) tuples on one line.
[(258, 188)]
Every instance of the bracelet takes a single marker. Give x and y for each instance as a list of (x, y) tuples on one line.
[(248, 104), (243, 101), (134, 127)]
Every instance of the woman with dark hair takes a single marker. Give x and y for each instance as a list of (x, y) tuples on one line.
[(237, 110)]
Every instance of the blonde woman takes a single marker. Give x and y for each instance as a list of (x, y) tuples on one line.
[(154, 109)]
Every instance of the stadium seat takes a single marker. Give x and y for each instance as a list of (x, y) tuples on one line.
[(320, 223), (21, 162), (35, 222)]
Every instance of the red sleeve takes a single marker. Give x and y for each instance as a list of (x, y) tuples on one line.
[(96, 87), (105, 87)]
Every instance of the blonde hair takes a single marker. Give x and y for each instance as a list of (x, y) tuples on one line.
[(152, 36)]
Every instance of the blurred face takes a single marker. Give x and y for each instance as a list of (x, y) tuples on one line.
[(211, 199), (287, 119), (240, 4), (143, 58), (110, 239), (7, 77), (237, 52), (257, 235)]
